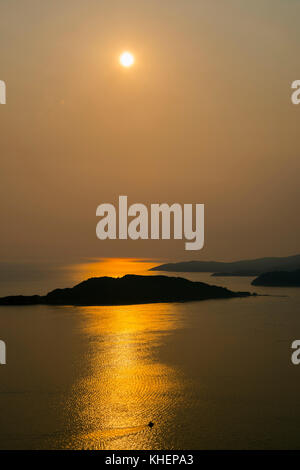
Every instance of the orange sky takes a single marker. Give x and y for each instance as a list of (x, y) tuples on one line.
[(204, 116)]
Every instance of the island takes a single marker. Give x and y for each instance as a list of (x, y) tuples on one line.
[(126, 290), (250, 267), (278, 279)]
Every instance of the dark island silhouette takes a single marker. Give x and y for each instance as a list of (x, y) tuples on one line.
[(126, 290), (278, 279), (252, 267)]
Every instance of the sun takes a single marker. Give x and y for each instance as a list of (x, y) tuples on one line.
[(126, 59)]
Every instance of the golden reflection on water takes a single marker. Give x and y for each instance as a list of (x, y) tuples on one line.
[(125, 385), (113, 267)]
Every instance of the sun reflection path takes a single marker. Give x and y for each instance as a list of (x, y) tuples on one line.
[(125, 384), (112, 267)]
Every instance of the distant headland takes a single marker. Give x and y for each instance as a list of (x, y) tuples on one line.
[(127, 290), (252, 267), (278, 279)]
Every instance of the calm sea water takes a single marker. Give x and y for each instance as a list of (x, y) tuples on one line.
[(211, 375)]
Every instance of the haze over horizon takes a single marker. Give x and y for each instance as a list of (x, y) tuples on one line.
[(204, 116)]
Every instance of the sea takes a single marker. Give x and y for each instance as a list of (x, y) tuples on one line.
[(214, 374)]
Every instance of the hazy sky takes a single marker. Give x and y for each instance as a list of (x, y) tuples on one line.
[(204, 116)]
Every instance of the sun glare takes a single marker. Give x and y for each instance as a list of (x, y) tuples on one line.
[(126, 59)]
